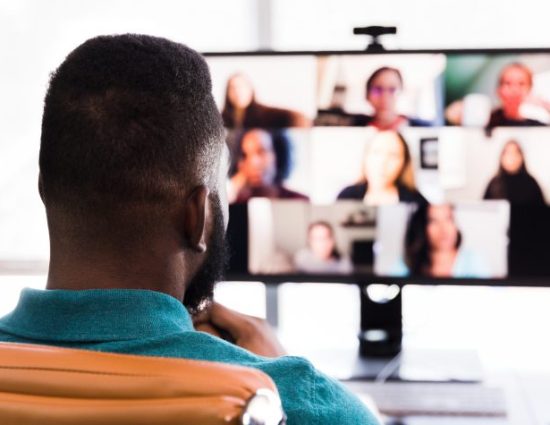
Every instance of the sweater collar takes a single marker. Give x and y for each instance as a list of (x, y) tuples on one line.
[(96, 315)]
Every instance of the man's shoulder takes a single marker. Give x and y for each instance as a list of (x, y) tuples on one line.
[(313, 397), (308, 395)]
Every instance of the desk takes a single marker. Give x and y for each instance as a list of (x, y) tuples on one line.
[(505, 326), (527, 394)]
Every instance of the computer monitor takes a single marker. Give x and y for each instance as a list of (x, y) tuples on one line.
[(399, 167)]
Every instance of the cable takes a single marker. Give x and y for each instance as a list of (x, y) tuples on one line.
[(388, 369)]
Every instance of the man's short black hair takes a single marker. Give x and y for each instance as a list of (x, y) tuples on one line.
[(128, 119)]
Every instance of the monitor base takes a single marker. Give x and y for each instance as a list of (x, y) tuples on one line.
[(381, 330)]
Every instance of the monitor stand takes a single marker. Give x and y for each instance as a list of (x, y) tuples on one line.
[(381, 355), (381, 333)]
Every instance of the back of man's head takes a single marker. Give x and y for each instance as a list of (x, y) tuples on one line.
[(129, 121)]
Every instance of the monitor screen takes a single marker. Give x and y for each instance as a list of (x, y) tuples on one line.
[(408, 167)]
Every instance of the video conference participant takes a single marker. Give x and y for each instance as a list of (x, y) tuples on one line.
[(261, 167), (513, 181), (388, 176), (382, 92), (242, 110), (514, 86), (513, 89), (136, 213), (321, 255), (433, 246)]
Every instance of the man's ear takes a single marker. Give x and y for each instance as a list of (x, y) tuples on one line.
[(41, 188), (194, 219)]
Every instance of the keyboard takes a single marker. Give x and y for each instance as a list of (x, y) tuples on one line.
[(400, 399)]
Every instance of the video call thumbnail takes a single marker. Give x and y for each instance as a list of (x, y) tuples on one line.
[(265, 91), (466, 240), (383, 91), (288, 237), (498, 90), (510, 165)]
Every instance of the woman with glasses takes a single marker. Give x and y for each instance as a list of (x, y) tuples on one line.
[(382, 92)]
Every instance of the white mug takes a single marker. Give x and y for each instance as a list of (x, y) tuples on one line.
[(476, 110)]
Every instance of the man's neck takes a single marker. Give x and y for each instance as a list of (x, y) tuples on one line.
[(92, 271)]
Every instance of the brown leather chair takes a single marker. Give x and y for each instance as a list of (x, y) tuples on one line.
[(43, 385)]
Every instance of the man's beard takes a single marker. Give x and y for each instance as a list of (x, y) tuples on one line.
[(200, 289)]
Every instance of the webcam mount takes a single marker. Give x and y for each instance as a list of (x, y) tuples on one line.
[(375, 32)]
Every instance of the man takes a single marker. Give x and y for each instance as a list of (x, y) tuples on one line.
[(260, 169), (132, 171)]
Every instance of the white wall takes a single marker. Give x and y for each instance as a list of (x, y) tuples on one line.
[(327, 24)]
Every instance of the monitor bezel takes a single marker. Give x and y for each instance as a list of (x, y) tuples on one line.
[(490, 51)]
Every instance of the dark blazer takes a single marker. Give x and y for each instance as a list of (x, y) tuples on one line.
[(498, 119), (281, 193), (360, 120), (516, 189), (358, 191)]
